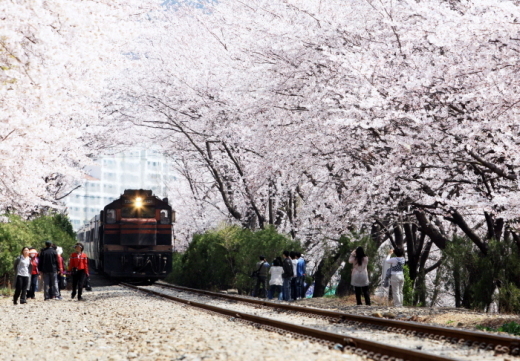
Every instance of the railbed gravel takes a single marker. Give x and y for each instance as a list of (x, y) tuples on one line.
[(410, 342), (442, 316), (115, 323)]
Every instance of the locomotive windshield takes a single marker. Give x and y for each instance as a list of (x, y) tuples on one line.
[(111, 216), (142, 212), (164, 216)]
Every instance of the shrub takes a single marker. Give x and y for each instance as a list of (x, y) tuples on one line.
[(408, 290), (509, 298), (474, 277), (512, 328), (6, 292), (225, 257), (18, 233)]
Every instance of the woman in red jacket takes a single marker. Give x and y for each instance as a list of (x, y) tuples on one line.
[(35, 274), (78, 267)]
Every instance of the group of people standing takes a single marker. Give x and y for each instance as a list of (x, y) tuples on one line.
[(287, 277), (359, 278), (49, 266)]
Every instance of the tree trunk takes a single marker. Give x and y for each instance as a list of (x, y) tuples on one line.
[(419, 296), (431, 231), (411, 250), (457, 287), (461, 223), (343, 289), (399, 239), (436, 284), (326, 269), (420, 293)]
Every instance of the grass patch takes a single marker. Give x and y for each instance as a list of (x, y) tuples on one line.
[(512, 328), (6, 292)]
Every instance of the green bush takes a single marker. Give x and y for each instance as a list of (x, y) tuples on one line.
[(509, 298), (475, 276), (204, 264), (225, 257), (512, 328), (14, 235), (18, 233), (6, 292), (408, 291)]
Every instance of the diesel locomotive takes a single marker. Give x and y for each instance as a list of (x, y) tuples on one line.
[(131, 238)]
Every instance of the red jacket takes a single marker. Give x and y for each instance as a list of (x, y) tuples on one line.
[(79, 261), (34, 263), (61, 264)]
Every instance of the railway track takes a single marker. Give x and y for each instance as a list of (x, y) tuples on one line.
[(501, 344), (370, 349)]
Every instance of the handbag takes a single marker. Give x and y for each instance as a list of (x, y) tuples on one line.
[(88, 287), (63, 283)]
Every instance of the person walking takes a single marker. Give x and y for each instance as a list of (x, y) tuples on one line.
[(78, 267), (359, 277), (35, 274), (301, 272), (287, 276), (22, 269), (49, 268), (397, 275), (276, 281), (261, 279)]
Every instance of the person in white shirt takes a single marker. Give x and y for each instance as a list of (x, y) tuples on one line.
[(276, 281), (397, 275), (22, 269), (359, 278)]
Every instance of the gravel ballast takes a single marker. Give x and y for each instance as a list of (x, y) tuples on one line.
[(119, 324), (436, 347)]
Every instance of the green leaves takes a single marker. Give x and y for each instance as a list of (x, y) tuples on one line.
[(18, 233), (224, 258), (509, 327), (475, 277)]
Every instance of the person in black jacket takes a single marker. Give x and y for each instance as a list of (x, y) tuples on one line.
[(287, 275), (49, 269)]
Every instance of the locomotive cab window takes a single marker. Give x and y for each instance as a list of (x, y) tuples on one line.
[(111, 216), (165, 219)]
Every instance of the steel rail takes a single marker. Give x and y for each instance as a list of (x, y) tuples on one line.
[(374, 350), (506, 344)]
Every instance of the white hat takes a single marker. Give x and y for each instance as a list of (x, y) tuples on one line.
[(59, 250)]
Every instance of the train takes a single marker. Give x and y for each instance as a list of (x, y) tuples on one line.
[(132, 237)]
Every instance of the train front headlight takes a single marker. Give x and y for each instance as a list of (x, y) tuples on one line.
[(138, 202)]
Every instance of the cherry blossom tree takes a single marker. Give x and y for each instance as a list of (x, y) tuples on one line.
[(54, 58), (397, 118)]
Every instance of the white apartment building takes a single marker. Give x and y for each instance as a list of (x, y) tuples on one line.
[(106, 181)]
